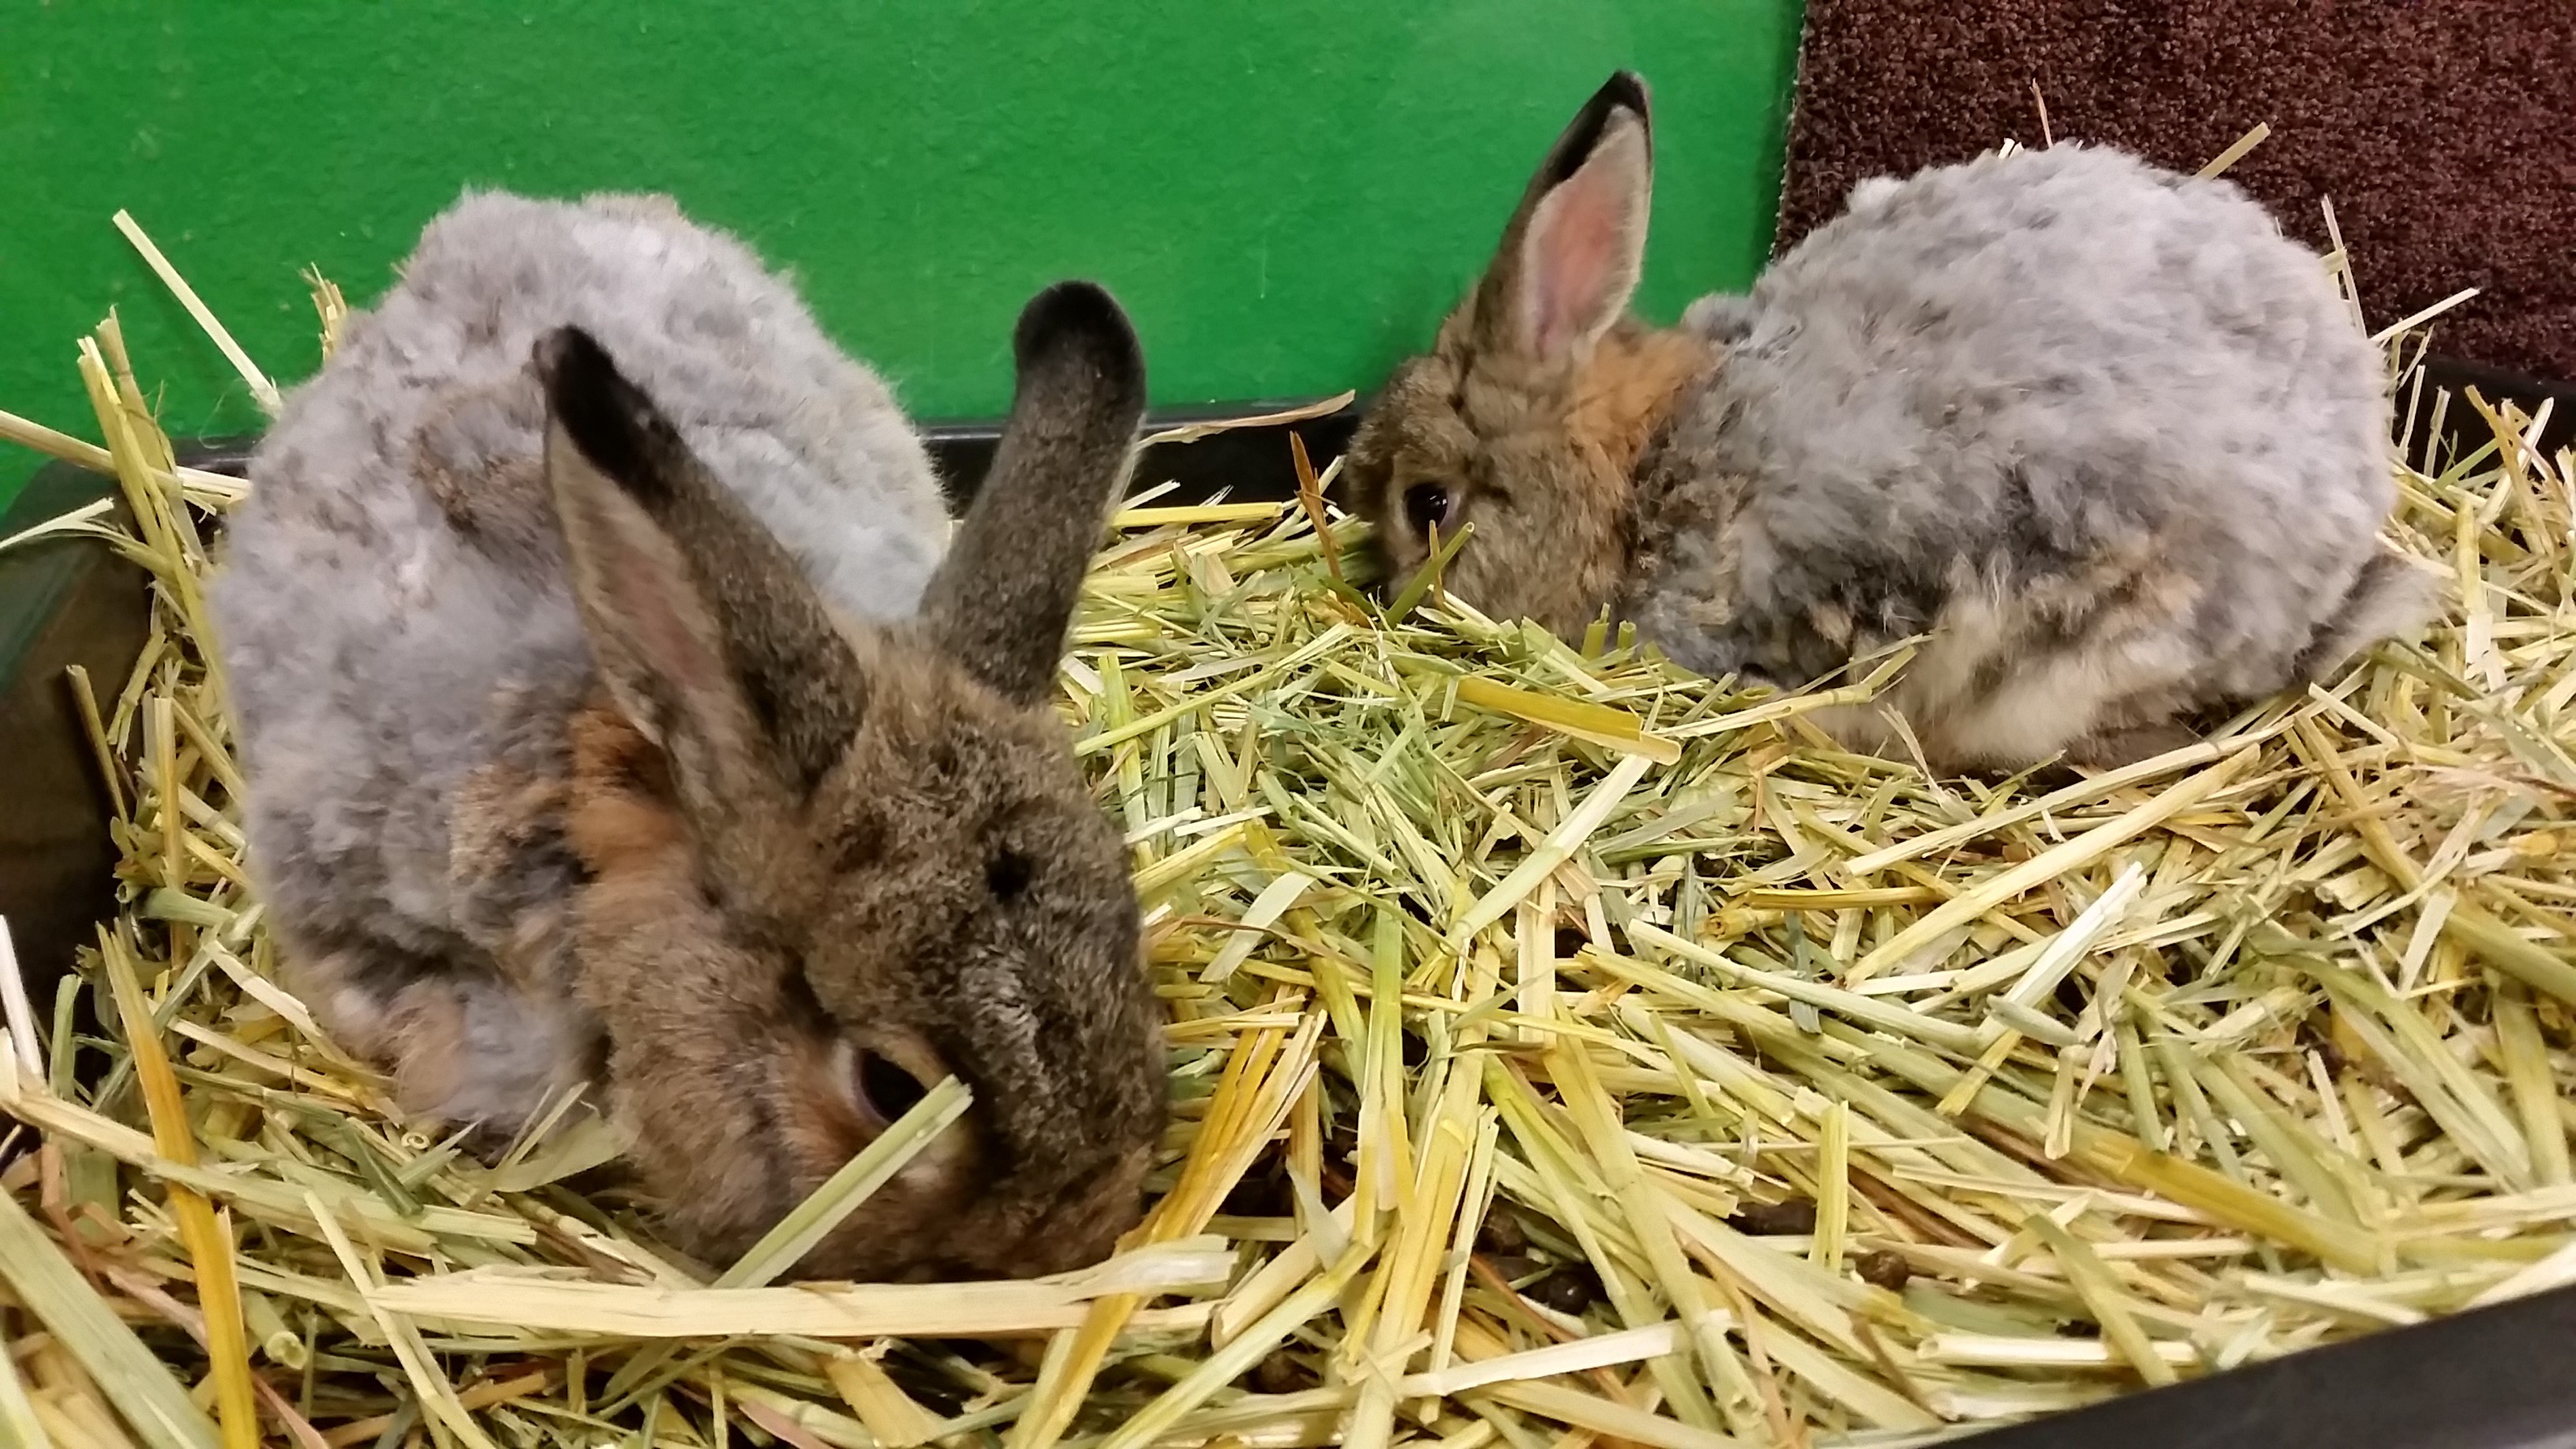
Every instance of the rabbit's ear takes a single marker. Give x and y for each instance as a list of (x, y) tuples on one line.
[(1571, 256), (705, 630), (1001, 600)]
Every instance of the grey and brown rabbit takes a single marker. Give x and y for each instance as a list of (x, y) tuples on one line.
[(2099, 432), (611, 716)]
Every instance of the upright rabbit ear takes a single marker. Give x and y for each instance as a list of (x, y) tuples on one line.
[(1001, 600), (705, 630), (1571, 256)]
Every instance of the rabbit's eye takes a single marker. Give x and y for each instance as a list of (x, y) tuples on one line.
[(1427, 506), (883, 1088)]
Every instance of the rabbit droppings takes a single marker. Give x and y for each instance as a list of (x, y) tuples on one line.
[(2099, 431), (618, 722)]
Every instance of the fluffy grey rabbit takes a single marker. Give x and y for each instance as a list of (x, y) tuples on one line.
[(2098, 430), (612, 716)]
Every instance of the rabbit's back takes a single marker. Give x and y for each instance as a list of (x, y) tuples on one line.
[(436, 381), (393, 610), (2003, 374)]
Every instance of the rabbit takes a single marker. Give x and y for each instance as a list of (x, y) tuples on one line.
[(2114, 447), (617, 713)]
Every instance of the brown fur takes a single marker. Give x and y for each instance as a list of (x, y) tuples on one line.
[(1538, 443), (1544, 456), (1624, 393), (2081, 607), (766, 846), (623, 816), (424, 1037), (861, 892), (808, 843), (504, 813)]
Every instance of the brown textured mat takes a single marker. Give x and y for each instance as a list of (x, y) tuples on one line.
[(2444, 131)]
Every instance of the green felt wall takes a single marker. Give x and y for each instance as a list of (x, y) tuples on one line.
[(1285, 195)]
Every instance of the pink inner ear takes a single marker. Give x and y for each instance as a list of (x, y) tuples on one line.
[(647, 603), (671, 631), (1580, 255)]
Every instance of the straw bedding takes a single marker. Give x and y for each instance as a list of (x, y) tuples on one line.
[(1565, 1051)]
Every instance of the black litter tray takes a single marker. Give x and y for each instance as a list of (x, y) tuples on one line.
[(63, 602), (2497, 1378)]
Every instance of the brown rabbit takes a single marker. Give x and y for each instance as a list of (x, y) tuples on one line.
[(2101, 434), (671, 766)]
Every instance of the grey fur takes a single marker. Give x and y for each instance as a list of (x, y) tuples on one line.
[(612, 719), (368, 637), (2098, 430), (1999, 372)]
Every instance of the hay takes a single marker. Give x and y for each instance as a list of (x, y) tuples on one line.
[(1564, 1052)]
